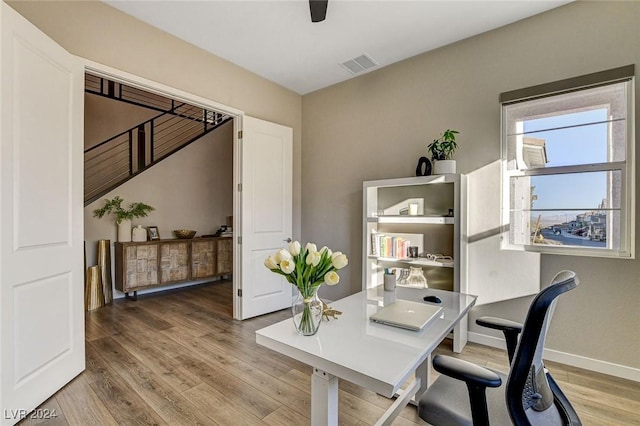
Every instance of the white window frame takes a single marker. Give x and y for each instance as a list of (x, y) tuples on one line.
[(627, 167)]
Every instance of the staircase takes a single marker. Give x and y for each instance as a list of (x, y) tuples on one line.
[(114, 161)]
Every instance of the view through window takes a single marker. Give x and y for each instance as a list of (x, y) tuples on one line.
[(568, 171)]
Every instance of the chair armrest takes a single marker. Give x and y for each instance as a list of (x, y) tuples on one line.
[(467, 372), (510, 329), (499, 324), (477, 380)]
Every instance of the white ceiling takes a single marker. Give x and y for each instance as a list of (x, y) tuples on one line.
[(277, 40)]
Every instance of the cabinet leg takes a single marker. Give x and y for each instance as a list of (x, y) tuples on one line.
[(134, 297)]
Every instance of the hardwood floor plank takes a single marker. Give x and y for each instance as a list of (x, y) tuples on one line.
[(124, 404), (49, 413), (96, 367), (168, 368), (285, 416), (93, 329), (82, 406), (147, 384), (219, 408), (148, 319), (234, 390), (250, 373)]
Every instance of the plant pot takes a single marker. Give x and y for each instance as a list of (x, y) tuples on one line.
[(441, 167), (124, 231)]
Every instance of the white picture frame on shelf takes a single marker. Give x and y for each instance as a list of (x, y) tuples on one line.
[(406, 207)]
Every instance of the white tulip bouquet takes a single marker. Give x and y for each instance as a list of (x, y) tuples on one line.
[(307, 268)]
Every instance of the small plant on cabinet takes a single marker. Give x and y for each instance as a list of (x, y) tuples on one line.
[(114, 206), (443, 147)]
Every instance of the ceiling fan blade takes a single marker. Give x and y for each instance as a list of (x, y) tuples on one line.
[(318, 10)]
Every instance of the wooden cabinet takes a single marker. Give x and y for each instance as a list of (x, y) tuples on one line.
[(156, 263)]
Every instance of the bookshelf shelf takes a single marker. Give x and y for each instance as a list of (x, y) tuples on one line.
[(436, 220), (414, 262)]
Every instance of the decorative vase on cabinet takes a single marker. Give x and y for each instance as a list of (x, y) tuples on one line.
[(139, 234), (124, 231)]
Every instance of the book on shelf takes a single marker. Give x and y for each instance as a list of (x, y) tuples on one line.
[(391, 246), (374, 243)]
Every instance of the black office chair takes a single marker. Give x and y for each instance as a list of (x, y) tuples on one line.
[(530, 396)]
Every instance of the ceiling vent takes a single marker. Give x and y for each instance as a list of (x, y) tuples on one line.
[(359, 64)]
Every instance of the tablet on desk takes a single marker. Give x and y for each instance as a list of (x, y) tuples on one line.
[(407, 314)]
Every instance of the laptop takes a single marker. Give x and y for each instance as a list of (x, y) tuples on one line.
[(407, 314)]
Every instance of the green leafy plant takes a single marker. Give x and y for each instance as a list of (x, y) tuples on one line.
[(114, 207), (443, 147)]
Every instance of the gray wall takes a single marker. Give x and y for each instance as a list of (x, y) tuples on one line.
[(378, 125)]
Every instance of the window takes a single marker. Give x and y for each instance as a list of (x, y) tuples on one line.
[(568, 166)]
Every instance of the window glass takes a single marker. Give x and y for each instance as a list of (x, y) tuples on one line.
[(577, 207)]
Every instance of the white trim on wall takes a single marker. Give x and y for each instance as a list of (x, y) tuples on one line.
[(573, 360)]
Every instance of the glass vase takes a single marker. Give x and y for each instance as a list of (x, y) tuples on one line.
[(307, 313), (416, 278)]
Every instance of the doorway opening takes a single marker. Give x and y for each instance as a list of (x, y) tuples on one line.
[(191, 184)]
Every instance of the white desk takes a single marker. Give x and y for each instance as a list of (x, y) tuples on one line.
[(375, 356)]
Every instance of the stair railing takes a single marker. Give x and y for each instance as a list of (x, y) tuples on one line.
[(127, 154)]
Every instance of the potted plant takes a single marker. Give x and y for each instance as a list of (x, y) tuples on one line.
[(123, 215), (441, 150)]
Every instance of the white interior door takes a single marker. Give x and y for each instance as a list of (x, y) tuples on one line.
[(267, 204), (493, 274), (41, 222)]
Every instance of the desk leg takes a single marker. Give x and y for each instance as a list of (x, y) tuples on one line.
[(423, 372), (324, 399)]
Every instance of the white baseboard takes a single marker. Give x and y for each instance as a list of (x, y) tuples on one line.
[(579, 361), (117, 294)]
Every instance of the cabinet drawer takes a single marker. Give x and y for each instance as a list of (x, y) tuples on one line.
[(174, 261), (203, 259)]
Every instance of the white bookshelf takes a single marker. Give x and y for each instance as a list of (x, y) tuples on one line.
[(435, 229)]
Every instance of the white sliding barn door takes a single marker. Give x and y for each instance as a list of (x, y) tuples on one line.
[(267, 213), (41, 225)]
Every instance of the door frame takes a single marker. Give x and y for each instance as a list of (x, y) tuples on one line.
[(205, 103)]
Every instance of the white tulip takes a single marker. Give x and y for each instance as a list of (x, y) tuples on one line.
[(270, 262), (313, 258), (331, 278), (282, 254), (325, 248), (287, 266), (335, 253), (311, 247), (339, 261), (294, 248)]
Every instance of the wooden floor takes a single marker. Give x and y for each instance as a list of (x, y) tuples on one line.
[(179, 358)]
